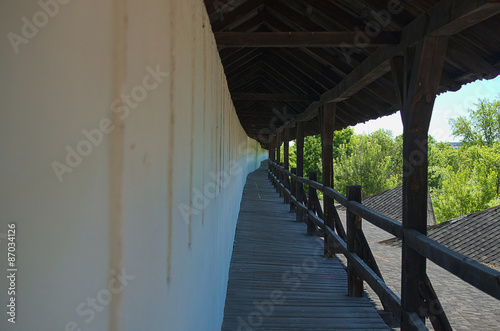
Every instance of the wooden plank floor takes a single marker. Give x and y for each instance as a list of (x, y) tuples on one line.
[(278, 279)]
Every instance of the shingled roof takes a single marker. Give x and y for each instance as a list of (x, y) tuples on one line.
[(476, 236), (390, 203)]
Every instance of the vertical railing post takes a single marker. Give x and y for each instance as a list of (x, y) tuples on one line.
[(271, 156), (300, 167), (278, 162), (292, 190), (282, 180), (311, 228), (354, 280), (286, 161)]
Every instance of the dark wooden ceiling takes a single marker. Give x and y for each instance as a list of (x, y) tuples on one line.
[(278, 78)]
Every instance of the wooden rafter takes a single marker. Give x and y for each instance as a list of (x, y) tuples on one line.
[(271, 96), (447, 17), (303, 39)]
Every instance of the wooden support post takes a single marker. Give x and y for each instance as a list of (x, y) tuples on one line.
[(416, 113), (311, 227), (278, 161), (272, 148), (354, 280), (328, 121), (276, 156), (278, 148), (300, 167), (271, 155), (286, 161), (292, 190)]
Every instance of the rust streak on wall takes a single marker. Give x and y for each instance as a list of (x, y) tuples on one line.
[(205, 93), (171, 140), (116, 159), (191, 143)]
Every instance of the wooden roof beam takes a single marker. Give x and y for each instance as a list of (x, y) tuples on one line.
[(446, 17), (271, 97), (230, 17), (303, 39)]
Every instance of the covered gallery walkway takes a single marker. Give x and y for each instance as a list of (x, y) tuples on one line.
[(278, 277)]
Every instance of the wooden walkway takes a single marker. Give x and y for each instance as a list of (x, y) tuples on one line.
[(278, 278)]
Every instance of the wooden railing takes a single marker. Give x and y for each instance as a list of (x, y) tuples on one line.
[(361, 262)]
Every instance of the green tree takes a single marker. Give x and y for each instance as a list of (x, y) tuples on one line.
[(486, 160), (342, 138), (367, 165), (312, 156), (441, 156), (392, 148), (463, 193), (481, 127)]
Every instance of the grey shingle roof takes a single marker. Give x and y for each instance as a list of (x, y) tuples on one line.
[(390, 204), (476, 235)]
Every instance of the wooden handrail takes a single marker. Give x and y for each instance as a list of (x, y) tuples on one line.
[(385, 223), (480, 276)]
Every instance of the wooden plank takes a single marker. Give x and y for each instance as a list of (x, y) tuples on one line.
[(335, 195), (312, 183), (284, 282), (385, 223), (303, 39)]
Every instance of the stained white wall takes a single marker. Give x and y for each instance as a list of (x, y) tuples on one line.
[(157, 197)]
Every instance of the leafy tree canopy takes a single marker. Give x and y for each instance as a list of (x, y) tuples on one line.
[(481, 127)]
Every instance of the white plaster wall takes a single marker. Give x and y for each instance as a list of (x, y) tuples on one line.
[(176, 138)]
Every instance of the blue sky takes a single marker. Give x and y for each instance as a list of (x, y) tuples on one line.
[(448, 105)]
